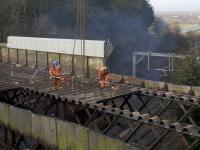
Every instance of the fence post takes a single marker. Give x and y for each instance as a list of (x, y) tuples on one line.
[(17, 56), (8, 56)]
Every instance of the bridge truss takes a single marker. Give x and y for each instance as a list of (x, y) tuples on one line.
[(144, 118)]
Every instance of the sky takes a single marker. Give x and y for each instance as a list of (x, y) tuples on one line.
[(176, 5)]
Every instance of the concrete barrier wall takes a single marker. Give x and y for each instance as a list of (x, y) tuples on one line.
[(154, 85), (31, 59), (162, 86), (22, 57), (44, 129), (71, 136), (196, 91), (56, 133), (5, 58), (94, 65), (13, 56), (4, 115), (80, 65), (66, 62), (20, 120), (179, 88), (52, 57), (43, 60)]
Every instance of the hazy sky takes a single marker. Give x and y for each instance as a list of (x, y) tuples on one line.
[(176, 5)]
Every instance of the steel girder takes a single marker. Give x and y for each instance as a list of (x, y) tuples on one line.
[(133, 132)]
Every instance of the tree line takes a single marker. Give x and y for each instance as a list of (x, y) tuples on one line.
[(124, 22)]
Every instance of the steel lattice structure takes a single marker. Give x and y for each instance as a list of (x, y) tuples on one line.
[(144, 118)]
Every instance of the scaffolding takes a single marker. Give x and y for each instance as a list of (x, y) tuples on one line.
[(148, 55)]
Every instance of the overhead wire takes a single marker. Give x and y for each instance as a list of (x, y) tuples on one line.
[(81, 24)]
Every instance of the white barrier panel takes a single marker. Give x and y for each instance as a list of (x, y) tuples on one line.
[(93, 48)]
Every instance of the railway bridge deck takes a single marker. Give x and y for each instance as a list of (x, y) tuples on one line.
[(144, 118)]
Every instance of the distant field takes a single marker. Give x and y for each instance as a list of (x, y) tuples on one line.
[(189, 27)]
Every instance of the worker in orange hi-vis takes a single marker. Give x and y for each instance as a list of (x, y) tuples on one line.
[(104, 77), (56, 74)]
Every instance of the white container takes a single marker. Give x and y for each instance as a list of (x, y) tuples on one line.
[(93, 48)]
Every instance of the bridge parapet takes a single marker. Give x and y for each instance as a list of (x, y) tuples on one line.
[(56, 133), (163, 86)]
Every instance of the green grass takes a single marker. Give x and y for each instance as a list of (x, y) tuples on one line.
[(188, 27)]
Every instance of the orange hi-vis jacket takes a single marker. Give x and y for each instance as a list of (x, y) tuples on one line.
[(55, 71), (104, 77), (102, 73)]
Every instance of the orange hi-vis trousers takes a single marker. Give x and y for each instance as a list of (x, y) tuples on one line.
[(105, 82)]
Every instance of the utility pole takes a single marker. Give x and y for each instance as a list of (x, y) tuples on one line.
[(81, 4)]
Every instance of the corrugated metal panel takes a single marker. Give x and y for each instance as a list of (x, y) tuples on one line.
[(43, 45), (61, 45), (28, 43), (92, 48), (11, 42), (23, 43)]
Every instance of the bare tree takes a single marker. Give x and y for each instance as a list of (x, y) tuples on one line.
[(4, 10)]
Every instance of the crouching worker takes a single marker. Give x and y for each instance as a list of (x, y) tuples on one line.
[(56, 74), (104, 77)]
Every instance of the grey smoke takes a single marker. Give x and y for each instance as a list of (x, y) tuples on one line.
[(128, 30)]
